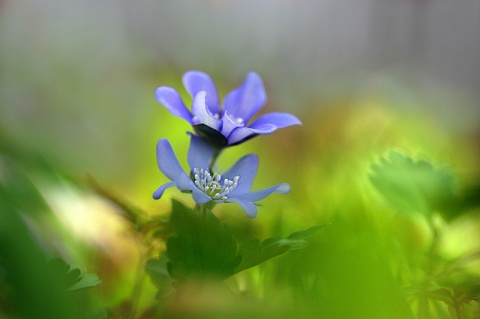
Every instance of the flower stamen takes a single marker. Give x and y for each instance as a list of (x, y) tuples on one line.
[(210, 184)]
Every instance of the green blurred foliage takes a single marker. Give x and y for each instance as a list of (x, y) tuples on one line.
[(414, 187), (37, 286), (201, 247)]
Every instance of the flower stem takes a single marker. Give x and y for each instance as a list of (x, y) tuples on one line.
[(213, 159), (137, 287), (202, 209)]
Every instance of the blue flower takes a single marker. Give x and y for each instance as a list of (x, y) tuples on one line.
[(206, 185), (227, 125)]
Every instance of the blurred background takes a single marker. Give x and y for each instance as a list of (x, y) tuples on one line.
[(77, 78), (76, 100)]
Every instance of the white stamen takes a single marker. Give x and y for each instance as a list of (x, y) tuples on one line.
[(210, 184)]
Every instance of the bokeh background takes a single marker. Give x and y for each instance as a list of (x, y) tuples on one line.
[(76, 102)]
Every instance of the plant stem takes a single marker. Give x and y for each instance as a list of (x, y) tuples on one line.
[(432, 253), (213, 159), (200, 209), (138, 284), (458, 312)]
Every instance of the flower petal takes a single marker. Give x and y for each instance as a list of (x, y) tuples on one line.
[(172, 101), (247, 99), (242, 134), (249, 207), (199, 153), (159, 192), (278, 119), (282, 188), (228, 125), (246, 168), (202, 113), (196, 81), (184, 182), (167, 161), (200, 197)]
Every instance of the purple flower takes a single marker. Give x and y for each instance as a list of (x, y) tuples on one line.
[(227, 125), (207, 185)]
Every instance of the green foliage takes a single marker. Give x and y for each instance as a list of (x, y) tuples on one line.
[(255, 252), (34, 287), (470, 198), (20, 189), (455, 299), (201, 247), (419, 189), (35, 292), (66, 277), (86, 281), (70, 279), (414, 187), (157, 270)]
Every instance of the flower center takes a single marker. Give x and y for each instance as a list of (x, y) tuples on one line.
[(211, 184)]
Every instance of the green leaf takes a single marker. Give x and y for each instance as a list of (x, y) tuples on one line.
[(157, 270), (68, 278), (413, 188), (441, 294), (20, 189), (254, 253), (304, 234), (201, 247), (38, 291), (86, 281), (64, 275), (470, 199)]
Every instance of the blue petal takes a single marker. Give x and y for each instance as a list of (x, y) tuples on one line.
[(199, 153), (246, 168), (171, 100), (280, 120), (196, 81), (184, 182), (228, 125), (241, 134), (282, 188), (159, 192), (202, 113), (249, 207), (167, 161), (247, 99), (200, 197)]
